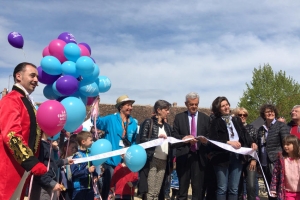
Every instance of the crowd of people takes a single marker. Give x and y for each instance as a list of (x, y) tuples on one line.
[(213, 173)]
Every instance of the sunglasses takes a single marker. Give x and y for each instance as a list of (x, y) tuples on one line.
[(243, 115)]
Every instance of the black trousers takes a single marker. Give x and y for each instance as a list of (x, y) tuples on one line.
[(188, 169), (268, 170)]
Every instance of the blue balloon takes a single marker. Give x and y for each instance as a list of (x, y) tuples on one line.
[(51, 65), (99, 147), (85, 66), (72, 52), (103, 83), (56, 92), (92, 77), (135, 158), (76, 113), (88, 90), (49, 93), (69, 68), (55, 137)]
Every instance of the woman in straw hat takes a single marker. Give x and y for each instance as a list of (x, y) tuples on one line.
[(120, 129)]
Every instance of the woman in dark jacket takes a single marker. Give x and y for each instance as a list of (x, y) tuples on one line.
[(158, 158), (227, 165), (270, 137)]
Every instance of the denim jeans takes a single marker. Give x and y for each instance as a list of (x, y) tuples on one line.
[(228, 178), (248, 183)]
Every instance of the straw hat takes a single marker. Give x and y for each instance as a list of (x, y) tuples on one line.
[(122, 99)]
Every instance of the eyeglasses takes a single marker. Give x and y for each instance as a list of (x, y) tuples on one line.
[(243, 115), (269, 111)]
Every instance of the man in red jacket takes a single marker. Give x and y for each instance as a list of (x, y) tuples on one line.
[(19, 133)]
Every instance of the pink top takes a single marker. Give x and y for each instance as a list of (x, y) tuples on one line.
[(292, 174)]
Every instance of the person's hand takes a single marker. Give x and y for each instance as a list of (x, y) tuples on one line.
[(273, 194), (162, 136), (130, 184), (203, 140), (55, 145), (254, 146), (193, 141), (39, 169), (92, 169), (70, 161), (252, 165), (57, 187), (95, 179), (234, 144)]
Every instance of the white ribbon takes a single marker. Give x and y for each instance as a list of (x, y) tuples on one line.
[(159, 141)]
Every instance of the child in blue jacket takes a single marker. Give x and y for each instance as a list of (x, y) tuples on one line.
[(83, 174)]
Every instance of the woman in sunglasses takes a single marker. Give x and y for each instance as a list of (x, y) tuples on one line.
[(227, 165), (249, 167)]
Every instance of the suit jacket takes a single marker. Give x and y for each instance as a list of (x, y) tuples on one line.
[(219, 132), (181, 128)]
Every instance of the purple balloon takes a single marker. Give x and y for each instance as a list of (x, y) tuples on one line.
[(87, 46), (67, 85), (16, 40), (67, 37), (46, 78)]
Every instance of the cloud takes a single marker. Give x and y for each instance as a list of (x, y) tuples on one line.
[(162, 49)]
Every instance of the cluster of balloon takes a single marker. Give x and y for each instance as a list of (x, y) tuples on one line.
[(135, 158), (71, 77)]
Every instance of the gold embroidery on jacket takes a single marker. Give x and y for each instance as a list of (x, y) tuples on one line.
[(20, 151), (37, 138)]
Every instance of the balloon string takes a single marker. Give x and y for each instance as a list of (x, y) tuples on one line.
[(24, 53)]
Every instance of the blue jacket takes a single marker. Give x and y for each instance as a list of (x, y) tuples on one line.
[(112, 125), (81, 177)]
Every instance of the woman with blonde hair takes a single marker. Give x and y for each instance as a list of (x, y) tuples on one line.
[(249, 167)]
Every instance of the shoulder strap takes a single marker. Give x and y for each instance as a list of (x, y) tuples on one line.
[(150, 130)]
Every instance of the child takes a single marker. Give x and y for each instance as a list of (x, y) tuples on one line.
[(123, 181), (286, 171), (83, 174), (66, 176), (174, 182), (46, 186)]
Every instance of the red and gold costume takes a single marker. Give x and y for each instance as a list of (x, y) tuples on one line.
[(19, 140)]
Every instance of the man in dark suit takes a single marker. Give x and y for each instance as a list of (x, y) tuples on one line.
[(190, 156)]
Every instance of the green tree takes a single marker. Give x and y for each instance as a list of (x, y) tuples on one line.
[(272, 88)]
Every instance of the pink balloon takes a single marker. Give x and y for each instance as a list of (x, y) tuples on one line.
[(84, 51), (78, 129), (51, 117), (56, 49), (90, 100), (46, 52)]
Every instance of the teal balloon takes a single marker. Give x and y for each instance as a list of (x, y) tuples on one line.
[(135, 158), (51, 65), (103, 83), (72, 52), (69, 68), (49, 93), (76, 113), (92, 77), (55, 137), (57, 93), (85, 66), (99, 147), (88, 90)]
